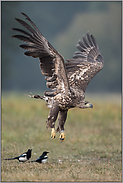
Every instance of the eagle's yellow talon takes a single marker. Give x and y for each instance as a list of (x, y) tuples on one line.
[(62, 135), (53, 134)]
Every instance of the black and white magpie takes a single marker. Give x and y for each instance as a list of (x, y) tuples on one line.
[(23, 157), (42, 159)]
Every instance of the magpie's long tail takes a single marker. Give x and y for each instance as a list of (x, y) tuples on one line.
[(31, 161), (11, 158)]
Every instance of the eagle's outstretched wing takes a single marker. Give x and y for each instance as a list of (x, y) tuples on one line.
[(51, 62), (86, 63)]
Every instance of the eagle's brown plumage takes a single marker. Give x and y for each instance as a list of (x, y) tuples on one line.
[(67, 80)]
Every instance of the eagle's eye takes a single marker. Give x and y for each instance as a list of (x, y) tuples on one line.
[(86, 102)]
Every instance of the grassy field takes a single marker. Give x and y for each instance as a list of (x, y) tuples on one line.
[(90, 152)]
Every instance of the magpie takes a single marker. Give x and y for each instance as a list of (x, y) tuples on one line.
[(23, 157), (42, 159)]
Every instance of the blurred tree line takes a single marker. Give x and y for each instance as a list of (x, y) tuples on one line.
[(63, 23)]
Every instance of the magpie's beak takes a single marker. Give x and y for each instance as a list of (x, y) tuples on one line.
[(30, 149)]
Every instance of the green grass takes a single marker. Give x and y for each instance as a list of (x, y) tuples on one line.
[(90, 152)]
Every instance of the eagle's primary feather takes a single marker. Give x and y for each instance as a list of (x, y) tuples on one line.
[(66, 79), (85, 64)]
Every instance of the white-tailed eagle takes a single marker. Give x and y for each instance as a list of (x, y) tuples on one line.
[(66, 79)]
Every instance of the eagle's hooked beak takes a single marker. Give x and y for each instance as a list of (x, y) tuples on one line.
[(89, 105)]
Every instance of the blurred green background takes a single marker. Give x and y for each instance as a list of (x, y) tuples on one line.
[(63, 24)]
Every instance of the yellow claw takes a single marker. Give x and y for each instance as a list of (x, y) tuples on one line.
[(62, 135), (53, 134)]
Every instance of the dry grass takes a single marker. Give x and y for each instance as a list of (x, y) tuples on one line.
[(90, 152)]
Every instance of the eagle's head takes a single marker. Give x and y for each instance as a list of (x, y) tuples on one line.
[(88, 105), (85, 104)]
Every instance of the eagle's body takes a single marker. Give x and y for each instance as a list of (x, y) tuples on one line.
[(67, 80)]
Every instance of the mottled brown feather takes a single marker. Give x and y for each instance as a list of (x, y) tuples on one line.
[(51, 62), (86, 63)]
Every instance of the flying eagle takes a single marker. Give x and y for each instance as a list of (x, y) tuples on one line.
[(68, 79)]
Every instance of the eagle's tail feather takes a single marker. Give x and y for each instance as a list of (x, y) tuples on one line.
[(35, 96)]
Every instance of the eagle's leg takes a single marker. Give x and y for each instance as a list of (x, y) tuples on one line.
[(53, 134), (61, 122), (52, 118)]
